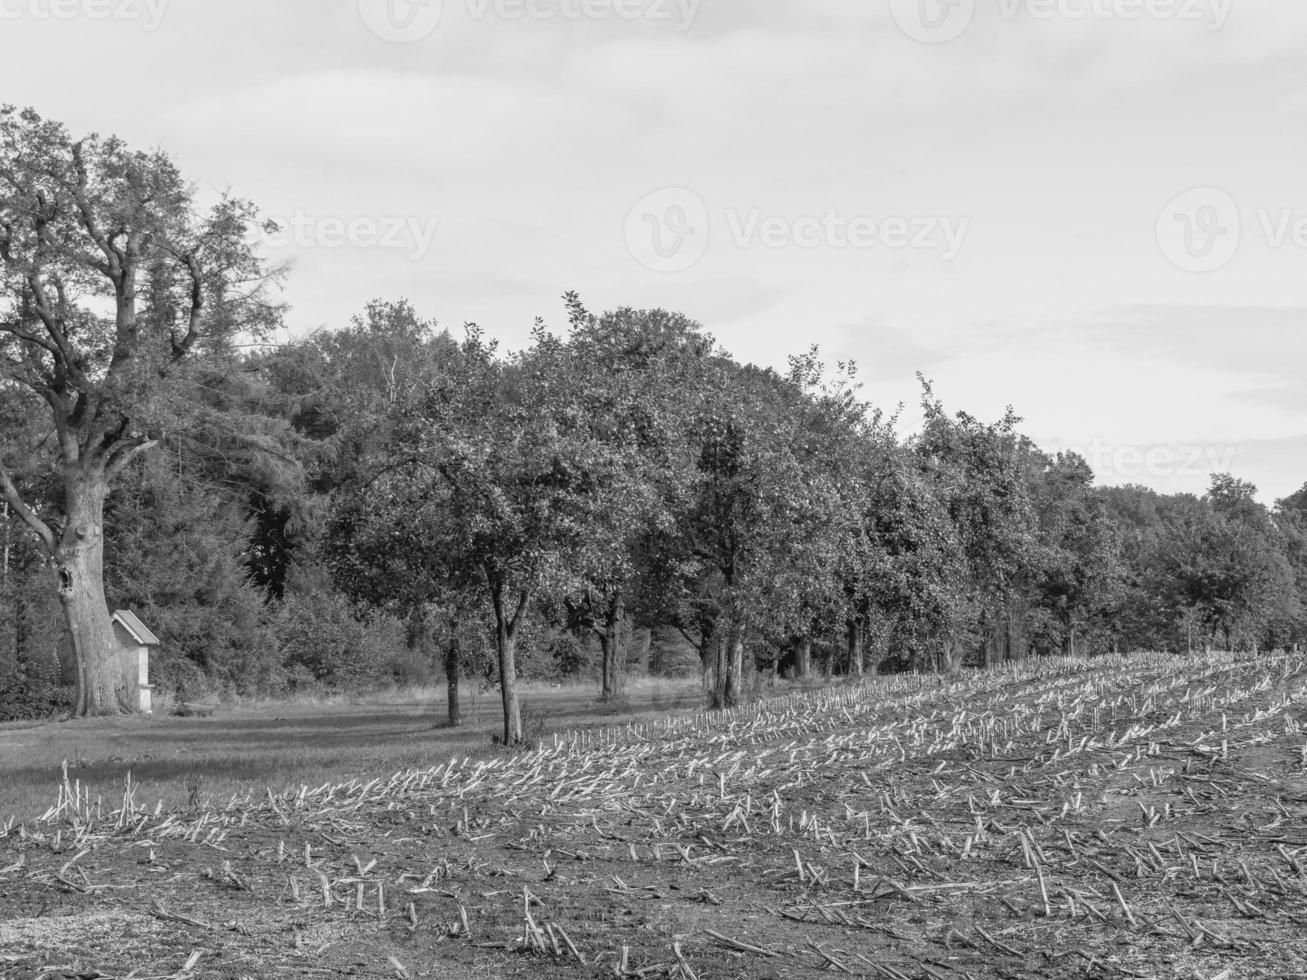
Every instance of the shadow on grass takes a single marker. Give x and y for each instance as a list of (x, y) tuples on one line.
[(283, 746)]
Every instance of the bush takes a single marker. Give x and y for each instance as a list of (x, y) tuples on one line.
[(319, 634), (22, 699)]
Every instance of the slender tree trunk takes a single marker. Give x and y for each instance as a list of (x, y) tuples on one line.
[(645, 655), (857, 662), (734, 686), (4, 565), (505, 645), (803, 657), (610, 644), (605, 665), (79, 560), (655, 649), (453, 658), (415, 632), (720, 678), (10, 592), (22, 621), (708, 656)]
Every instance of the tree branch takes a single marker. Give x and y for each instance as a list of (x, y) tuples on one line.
[(124, 455), (689, 639), (10, 493), (108, 248), (14, 330), (523, 601), (180, 348), (66, 359)]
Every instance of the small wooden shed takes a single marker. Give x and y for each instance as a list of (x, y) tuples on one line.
[(134, 644)]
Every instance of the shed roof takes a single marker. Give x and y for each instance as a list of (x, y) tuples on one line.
[(139, 631)]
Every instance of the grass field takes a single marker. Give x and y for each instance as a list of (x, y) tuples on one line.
[(1106, 819), (285, 744)]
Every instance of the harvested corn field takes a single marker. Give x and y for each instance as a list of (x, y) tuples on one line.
[(1142, 817)]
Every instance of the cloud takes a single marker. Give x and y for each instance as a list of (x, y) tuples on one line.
[(886, 352), (1240, 341)]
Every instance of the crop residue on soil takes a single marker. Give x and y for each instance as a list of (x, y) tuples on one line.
[(1141, 817)]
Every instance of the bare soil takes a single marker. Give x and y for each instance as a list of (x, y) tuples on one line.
[(1112, 818)]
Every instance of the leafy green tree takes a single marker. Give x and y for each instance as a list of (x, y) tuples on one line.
[(1145, 614), (177, 548), (1244, 581), (1078, 574), (907, 570), (750, 506), (632, 376), (1291, 521), (120, 292), (505, 478), (981, 470)]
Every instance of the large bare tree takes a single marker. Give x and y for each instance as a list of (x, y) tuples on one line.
[(121, 297)]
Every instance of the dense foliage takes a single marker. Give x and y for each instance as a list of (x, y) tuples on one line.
[(393, 503)]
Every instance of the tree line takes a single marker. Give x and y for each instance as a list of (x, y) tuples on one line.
[(372, 502)]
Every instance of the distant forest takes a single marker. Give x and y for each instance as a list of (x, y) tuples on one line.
[(393, 503)]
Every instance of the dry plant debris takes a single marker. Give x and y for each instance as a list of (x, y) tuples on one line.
[(1131, 818)]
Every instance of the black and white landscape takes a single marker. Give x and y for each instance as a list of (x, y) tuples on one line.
[(653, 489)]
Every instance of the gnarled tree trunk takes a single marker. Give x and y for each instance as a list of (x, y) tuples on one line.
[(79, 560)]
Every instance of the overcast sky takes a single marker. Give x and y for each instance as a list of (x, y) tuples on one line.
[(1093, 210)]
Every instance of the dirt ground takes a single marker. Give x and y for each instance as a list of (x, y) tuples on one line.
[(1117, 818)]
